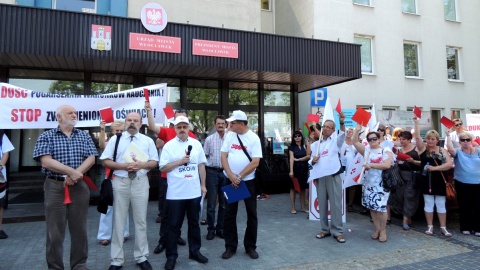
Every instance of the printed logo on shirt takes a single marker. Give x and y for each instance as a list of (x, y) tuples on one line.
[(188, 176), (324, 153), (377, 160), (191, 168), (238, 147)]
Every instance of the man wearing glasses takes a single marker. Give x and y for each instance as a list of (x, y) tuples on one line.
[(457, 129), (165, 134), (326, 152)]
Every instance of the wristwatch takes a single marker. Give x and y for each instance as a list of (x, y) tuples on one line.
[(239, 177)]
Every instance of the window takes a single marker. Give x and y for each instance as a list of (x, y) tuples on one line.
[(455, 113), (265, 4), (362, 2), (450, 9), (453, 67), (409, 6), (87, 6), (475, 111), (411, 59), (365, 53)]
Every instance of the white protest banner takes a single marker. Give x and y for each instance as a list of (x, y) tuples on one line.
[(21, 108), (473, 124), (353, 172)]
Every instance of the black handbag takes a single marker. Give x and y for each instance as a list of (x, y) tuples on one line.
[(106, 189), (391, 177)]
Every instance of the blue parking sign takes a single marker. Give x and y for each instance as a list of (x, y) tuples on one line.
[(318, 97)]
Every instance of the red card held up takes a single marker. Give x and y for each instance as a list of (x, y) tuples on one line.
[(107, 115), (146, 94), (447, 122), (169, 113), (313, 118), (339, 107), (402, 156), (361, 117), (417, 112)]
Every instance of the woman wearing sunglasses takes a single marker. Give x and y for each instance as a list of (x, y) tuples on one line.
[(467, 181), (374, 197), (434, 160), (298, 169)]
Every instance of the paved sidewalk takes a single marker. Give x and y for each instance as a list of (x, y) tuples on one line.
[(285, 241)]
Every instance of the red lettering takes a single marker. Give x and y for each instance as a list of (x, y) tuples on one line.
[(29, 115), (12, 92)]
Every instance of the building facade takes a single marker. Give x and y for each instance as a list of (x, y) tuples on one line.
[(86, 47)]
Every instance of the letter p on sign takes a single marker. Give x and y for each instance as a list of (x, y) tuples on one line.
[(318, 97)]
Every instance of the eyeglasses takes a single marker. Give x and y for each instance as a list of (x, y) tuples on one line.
[(327, 127), (372, 139), (466, 140), (382, 130), (297, 135), (459, 124), (233, 123)]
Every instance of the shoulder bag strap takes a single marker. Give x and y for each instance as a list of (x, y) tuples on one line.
[(243, 148), (440, 171), (115, 154)]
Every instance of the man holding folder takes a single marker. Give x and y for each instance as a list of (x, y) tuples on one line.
[(238, 167), (136, 155)]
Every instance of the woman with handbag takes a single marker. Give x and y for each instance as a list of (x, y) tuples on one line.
[(298, 169), (407, 195), (374, 196), (467, 181), (434, 159)]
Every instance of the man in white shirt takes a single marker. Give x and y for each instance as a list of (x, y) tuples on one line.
[(238, 167), (5, 147), (215, 178), (130, 186), (183, 159), (329, 185)]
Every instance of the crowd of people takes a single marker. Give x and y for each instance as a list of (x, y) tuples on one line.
[(192, 173)]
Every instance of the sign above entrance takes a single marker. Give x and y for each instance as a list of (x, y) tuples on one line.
[(144, 42), (318, 97), (214, 48), (154, 17)]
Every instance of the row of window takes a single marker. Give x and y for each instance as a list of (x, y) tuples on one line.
[(411, 58), (411, 7)]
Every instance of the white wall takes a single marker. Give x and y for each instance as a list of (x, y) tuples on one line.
[(341, 20), (232, 14)]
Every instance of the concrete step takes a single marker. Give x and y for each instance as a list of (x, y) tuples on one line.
[(22, 189), (26, 182)]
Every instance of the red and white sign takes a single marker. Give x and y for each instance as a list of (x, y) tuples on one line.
[(144, 42), (314, 207), (21, 108), (154, 17), (101, 38), (473, 124), (214, 48)]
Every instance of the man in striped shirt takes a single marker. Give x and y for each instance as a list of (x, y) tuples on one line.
[(215, 178)]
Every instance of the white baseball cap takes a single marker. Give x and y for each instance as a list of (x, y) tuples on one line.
[(237, 115), (181, 119)]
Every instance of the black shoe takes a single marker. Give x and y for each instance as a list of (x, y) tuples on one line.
[(145, 265), (181, 242), (252, 253), (210, 235), (115, 267), (3, 235), (159, 219), (220, 234), (170, 264), (199, 258), (160, 248), (228, 253)]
